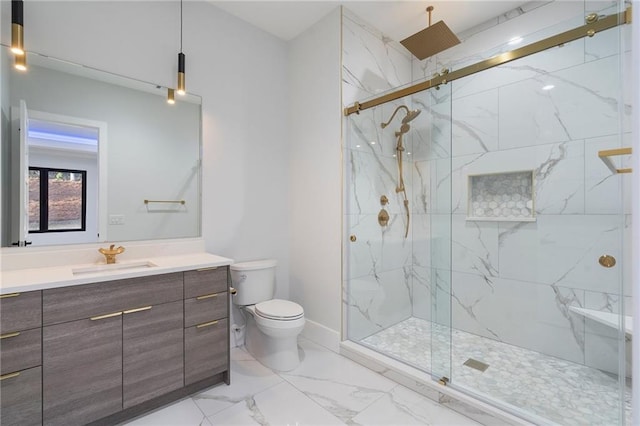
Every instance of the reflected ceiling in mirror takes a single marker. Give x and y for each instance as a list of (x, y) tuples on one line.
[(142, 169)]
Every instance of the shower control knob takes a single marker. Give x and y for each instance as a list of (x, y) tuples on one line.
[(607, 261), (232, 291)]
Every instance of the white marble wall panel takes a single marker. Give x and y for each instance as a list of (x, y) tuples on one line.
[(474, 247), (369, 177), (548, 61), (562, 250), (475, 123), (423, 175), (559, 175), (378, 301), (372, 63), (377, 248), (530, 315), (421, 239), (422, 293), (582, 104), (433, 137)]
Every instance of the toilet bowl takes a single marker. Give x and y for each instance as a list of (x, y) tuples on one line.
[(273, 325)]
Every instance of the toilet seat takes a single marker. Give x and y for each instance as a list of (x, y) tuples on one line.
[(278, 309)]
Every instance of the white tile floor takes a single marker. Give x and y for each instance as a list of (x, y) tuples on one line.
[(326, 389)]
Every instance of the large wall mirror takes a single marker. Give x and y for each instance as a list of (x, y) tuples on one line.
[(89, 156)]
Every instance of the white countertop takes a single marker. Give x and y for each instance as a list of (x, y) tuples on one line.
[(20, 280)]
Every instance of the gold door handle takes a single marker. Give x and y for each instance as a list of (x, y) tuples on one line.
[(206, 324), (10, 375), (132, 311), (99, 317), (5, 296), (6, 336), (207, 296)]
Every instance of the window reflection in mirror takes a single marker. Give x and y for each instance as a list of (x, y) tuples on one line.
[(142, 149)]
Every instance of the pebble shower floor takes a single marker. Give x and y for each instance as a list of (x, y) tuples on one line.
[(560, 391)]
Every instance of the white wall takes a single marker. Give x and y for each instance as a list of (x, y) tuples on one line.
[(241, 73), (316, 181)]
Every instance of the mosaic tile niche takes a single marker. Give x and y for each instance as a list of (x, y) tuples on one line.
[(502, 197)]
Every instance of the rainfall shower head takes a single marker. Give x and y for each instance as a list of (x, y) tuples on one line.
[(433, 39), (410, 115)]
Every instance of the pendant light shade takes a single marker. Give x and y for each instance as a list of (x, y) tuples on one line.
[(17, 27), (171, 97), (20, 62), (181, 77)]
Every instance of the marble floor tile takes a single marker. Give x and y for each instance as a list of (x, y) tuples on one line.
[(517, 376), (338, 384), (402, 406), (248, 377), (183, 413), (282, 404)]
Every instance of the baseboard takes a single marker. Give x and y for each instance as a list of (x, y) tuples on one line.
[(322, 335)]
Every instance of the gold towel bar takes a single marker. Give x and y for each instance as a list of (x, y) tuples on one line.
[(165, 201), (606, 153)]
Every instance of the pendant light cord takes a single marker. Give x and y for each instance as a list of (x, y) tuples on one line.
[(181, 26)]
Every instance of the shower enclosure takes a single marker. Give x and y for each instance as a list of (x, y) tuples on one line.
[(512, 284)]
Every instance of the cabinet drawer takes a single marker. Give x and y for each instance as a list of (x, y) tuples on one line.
[(205, 281), (85, 301), (206, 351), (205, 308), (20, 350), (21, 398), (20, 311)]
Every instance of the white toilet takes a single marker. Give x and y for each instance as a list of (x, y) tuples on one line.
[(273, 325)]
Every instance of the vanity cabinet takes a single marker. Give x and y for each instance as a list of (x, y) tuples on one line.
[(20, 359), (102, 353), (206, 334)]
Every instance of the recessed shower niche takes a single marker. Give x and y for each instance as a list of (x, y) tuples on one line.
[(505, 196)]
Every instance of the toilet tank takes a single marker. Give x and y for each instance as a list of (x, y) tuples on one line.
[(254, 281)]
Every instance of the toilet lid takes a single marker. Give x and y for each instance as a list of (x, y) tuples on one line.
[(279, 309)]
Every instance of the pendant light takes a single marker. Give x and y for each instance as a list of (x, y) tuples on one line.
[(17, 27), (181, 60), (171, 97), (20, 62)]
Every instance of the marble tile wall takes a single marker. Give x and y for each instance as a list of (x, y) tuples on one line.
[(510, 281)]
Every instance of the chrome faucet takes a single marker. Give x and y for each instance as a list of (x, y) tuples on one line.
[(111, 252)]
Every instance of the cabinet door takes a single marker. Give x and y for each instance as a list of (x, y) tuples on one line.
[(21, 398), (82, 370), (153, 360), (206, 350), (20, 311)]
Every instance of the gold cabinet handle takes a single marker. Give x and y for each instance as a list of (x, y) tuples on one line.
[(10, 375), (99, 317), (132, 311), (5, 296), (207, 296), (6, 336), (212, 268), (207, 324)]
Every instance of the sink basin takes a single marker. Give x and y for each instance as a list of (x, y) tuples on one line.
[(113, 267)]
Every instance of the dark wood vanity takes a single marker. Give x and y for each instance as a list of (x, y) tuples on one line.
[(106, 352)]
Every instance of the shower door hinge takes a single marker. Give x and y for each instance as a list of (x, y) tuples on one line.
[(443, 380)]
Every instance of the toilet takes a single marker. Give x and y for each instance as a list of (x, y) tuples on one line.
[(273, 325)]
